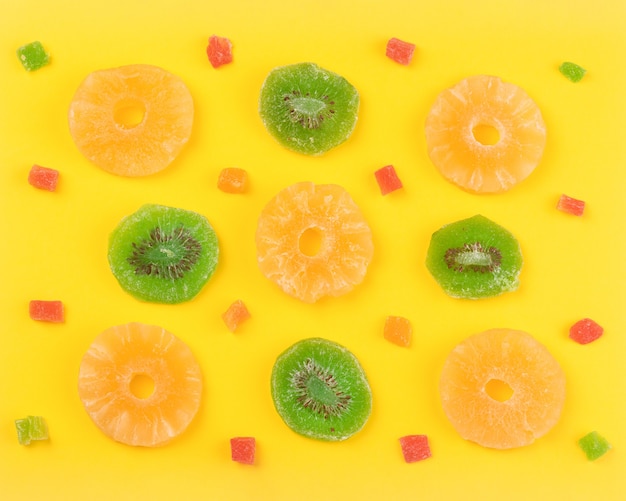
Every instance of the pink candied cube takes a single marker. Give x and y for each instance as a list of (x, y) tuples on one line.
[(46, 311), (400, 51), (571, 205), (219, 51), (43, 178), (585, 331), (243, 449), (388, 179), (415, 448)]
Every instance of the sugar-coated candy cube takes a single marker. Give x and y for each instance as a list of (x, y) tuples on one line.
[(398, 330), (46, 311), (594, 445), (415, 448), (33, 56), (219, 51), (43, 178), (572, 71), (585, 331), (571, 205), (243, 449), (388, 179), (233, 180), (31, 428), (400, 51), (236, 313)]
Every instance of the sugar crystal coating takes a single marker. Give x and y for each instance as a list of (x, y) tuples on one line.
[(594, 445), (33, 56), (415, 448), (243, 449)]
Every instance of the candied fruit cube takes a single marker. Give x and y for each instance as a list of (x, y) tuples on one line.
[(233, 180), (219, 51), (572, 71), (400, 51), (571, 205), (388, 179), (415, 448), (43, 178), (235, 314), (242, 449), (46, 311), (33, 56), (398, 330), (31, 428), (585, 331), (594, 445)]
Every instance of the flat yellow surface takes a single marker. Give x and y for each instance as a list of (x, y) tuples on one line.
[(55, 245)]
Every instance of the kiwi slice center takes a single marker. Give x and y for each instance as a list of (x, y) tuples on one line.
[(473, 257), (166, 254), (308, 110), (317, 390)]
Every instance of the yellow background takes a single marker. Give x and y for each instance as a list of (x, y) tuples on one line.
[(54, 245)]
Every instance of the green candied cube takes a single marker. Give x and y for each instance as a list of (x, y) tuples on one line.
[(33, 56), (31, 428), (572, 71), (594, 445)]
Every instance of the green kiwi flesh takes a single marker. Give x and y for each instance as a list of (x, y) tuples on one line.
[(163, 254), (475, 258), (320, 390), (308, 109)]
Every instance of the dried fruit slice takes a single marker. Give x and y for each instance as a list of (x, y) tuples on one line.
[(594, 445), (133, 120), (320, 390), (400, 51), (415, 448), (163, 254), (313, 241), (219, 51), (31, 428), (43, 178), (477, 371), (243, 449), (46, 311), (387, 179), (112, 372), (485, 135), (398, 330), (571, 205), (308, 109), (474, 258), (585, 331), (33, 56)]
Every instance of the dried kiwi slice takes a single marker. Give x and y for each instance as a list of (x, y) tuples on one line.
[(320, 390), (163, 254), (308, 109), (474, 258)]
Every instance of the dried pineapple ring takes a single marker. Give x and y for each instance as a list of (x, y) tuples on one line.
[(313, 241), (108, 375), (133, 120), (485, 135)]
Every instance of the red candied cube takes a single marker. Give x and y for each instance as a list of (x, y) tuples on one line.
[(46, 311), (235, 314), (388, 179), (219, 51), (415, 448), (242, 449), (585, 331), (571, 205), (43, 178), (401, 52)]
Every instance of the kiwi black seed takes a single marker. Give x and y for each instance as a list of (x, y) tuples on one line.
[(320, 390), (308, 109), (475, 258), (163, 254)]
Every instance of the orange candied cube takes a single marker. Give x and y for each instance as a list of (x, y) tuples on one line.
[(398, 330), (235, 314), (233, 180)]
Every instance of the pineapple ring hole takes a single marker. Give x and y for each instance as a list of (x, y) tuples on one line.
[(142, 386), (310, 242), (129, 113), (487, 135), (498, 390)]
